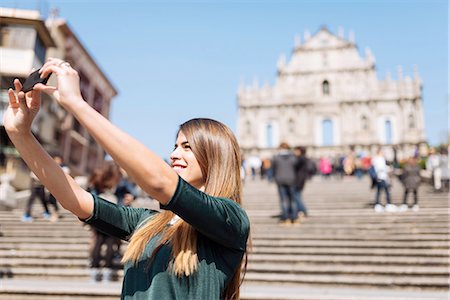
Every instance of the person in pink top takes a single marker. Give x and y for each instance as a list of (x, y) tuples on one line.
[(325, 167)]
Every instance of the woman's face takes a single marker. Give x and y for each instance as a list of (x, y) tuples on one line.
[(185, 164)]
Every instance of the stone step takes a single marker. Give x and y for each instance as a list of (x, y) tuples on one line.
[(18, 294), (83, 252), (294, 233), (286, 291), (260, 235), (264, 242), (338, 269), (59, 289), (303, 230), (273, 210), (32, 240), (48, 254), (369, 219), (50, 263), (263, 222), (43, 247), (292, 239), (348, 251), (320, 197), (340, 259), (356, 231), (40, 222), (46, 234), (269, 226), (335, 193), (260, 243), (344, 204), (364, 209), (82, 262), (441, 212), (74, 273), (24, 272), (365, 216), (351, 280), (262, 269), (311, 229)]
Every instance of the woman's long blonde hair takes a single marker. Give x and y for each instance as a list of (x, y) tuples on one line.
[(217, 152)]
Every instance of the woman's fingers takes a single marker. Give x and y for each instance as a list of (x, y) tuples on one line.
[(44, 88), (17, 85), (52, 65), (12, 98), (51, 69), (68, 87), (49, 90), (22, 100), (35, 101)]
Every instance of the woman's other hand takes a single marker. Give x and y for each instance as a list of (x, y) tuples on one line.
[(67, 91), (22, 109)]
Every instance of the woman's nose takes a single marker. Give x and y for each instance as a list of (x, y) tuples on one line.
[(175, 154)]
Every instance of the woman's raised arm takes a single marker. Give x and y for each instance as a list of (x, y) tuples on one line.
[(17, 120), (148, 170)]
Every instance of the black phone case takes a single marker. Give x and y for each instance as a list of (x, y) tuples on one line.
[(34, 79)]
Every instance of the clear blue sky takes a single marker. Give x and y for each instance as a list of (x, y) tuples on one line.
[(172, 61)]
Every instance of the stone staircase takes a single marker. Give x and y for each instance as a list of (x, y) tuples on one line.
[(344, 250), (344, 242)]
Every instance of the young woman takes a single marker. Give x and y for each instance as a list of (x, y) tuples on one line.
[(195, 247)]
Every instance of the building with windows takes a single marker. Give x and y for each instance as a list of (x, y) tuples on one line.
[(79, 149), (26, 40), (327, 97)]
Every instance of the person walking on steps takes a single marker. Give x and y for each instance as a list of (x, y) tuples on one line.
[(382, 170), (283, 165), (304, 169)]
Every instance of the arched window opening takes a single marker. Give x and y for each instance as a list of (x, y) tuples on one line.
[(325, 87), (327, 132), (388, 132), (269, 136)]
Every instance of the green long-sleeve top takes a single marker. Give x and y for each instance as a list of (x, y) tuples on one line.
[(223, 229)]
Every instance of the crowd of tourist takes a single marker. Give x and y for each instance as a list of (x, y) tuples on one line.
[(430, 170)]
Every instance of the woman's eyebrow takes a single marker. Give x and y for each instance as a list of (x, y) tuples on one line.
[(182, 143)]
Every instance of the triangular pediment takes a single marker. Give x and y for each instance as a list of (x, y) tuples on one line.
[(325, 39)]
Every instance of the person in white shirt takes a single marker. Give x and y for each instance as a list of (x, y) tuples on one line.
[(433, 163), (382, 182)]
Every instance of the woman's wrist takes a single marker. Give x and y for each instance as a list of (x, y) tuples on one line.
[(74, 105), (19, 134)]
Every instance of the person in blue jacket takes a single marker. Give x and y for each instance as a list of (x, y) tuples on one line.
[(196, 246)]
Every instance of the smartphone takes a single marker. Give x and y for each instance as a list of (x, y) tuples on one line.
[(34, 79)]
